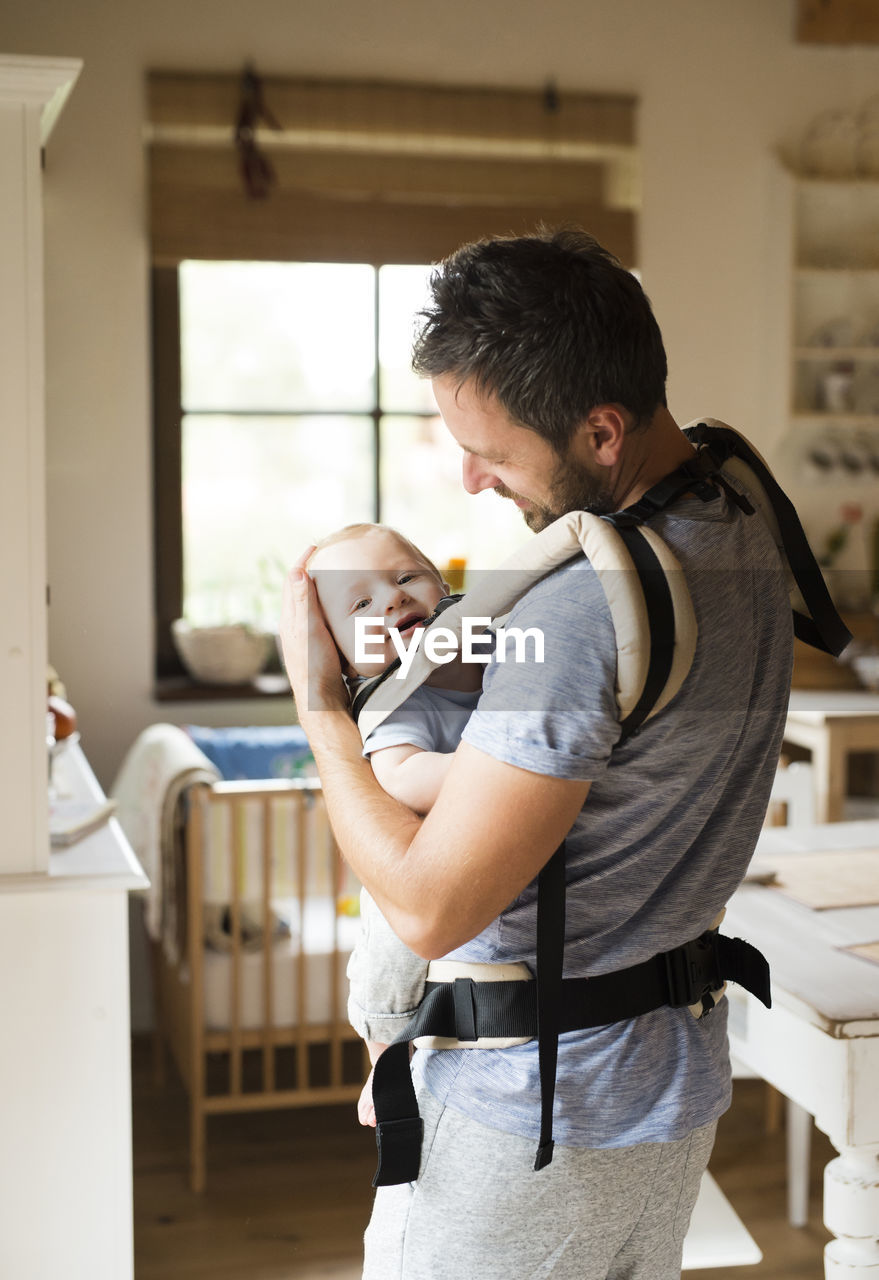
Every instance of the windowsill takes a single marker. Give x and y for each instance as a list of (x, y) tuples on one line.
[(185, 689)]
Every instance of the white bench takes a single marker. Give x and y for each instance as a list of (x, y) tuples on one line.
[(717, 1237)]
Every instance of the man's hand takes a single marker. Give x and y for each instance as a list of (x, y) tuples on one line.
[(310, 653), (365, 1104)]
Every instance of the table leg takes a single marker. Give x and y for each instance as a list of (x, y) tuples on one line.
[(851, 1212), (829, 765), (799, 1145)]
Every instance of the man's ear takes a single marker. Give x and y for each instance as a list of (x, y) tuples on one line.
[(603, 431)]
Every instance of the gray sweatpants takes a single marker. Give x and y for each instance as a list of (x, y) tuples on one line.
[(479, 1210)]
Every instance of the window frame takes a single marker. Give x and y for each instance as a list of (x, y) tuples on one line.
[(167, 473), (172, 679)]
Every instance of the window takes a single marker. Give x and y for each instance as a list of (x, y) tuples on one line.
[(283, 402), (298, 413)]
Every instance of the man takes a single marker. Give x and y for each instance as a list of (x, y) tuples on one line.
[(549, 371)]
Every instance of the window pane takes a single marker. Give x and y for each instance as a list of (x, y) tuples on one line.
[(423, 497), (402, 294), (256, 492), (277, 335)]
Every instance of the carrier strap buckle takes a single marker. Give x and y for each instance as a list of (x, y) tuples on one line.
[(692, 970)]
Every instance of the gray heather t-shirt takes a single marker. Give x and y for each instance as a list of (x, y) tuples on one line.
[(662, 841), (430, 718)]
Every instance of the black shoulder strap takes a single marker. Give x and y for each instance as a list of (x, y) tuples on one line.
[(550, 966), (822, 627), (693, 476), (660, 621)]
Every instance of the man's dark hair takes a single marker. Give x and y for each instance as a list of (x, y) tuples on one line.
[(550, 324)]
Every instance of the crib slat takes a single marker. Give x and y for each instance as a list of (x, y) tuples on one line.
[(328, 843), (195, 843), (301, 882), (235, 1054), (268, 1050)]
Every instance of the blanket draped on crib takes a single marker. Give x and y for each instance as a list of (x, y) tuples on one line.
[(162, 762)]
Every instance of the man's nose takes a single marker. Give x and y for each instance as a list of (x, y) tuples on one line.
[(476, 476)]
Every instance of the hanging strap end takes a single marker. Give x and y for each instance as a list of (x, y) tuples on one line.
[(399, 1151), (544, 1155)]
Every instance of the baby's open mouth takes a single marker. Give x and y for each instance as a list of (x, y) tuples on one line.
[(408, 621)]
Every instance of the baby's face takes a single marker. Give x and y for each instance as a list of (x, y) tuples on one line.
[(373, 576)]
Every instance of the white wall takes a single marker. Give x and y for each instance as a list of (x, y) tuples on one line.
[(721, 83)]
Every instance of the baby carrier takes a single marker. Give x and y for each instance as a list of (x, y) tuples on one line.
[(655, 630)]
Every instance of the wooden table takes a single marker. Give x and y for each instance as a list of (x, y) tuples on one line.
[(831, 724), (819, 1044)]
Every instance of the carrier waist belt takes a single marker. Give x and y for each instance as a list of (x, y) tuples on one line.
[(466, 1010)]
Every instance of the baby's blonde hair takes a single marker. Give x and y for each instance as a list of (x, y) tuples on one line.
[(360, 530)]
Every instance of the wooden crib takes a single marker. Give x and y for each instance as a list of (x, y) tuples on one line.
[(252, 1003)]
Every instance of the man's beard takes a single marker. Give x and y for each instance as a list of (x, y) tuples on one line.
[(572, 488)]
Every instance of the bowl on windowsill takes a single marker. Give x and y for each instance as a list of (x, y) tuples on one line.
[(231, 654)]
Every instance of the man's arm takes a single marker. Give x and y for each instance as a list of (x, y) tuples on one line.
[(439, 880)]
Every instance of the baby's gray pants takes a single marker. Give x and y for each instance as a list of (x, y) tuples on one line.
[(478, 1209)]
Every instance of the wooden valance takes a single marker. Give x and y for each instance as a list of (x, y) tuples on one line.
[(385, 172), (837, 22)]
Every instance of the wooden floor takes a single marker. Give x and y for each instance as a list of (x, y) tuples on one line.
[(288, 1193)]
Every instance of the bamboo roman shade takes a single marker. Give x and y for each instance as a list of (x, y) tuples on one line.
[(384, 172)]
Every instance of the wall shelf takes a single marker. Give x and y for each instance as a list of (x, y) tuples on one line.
[(837, 353), (834, 325)]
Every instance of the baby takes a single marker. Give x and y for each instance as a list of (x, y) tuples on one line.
[(372, 571)]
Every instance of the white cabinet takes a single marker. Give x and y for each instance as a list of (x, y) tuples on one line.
[(65, 1072), (32, 91), (65, 1089)]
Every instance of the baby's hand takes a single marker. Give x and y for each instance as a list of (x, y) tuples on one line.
[(365, 1107)]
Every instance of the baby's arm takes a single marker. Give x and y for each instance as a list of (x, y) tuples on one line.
[(384, 974), (411, 775), (386, 985)]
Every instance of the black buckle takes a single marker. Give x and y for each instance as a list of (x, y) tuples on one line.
[(465, 1010), (692, 970), (625, 519), (702, 469)]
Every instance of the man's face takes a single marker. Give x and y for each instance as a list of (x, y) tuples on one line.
[(517, 463), (373, 576)]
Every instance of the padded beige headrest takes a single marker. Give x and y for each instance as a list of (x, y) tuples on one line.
[(496, 592)]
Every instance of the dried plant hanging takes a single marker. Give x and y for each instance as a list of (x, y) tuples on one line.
[(257, 172)]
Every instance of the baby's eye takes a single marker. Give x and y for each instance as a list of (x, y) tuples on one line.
[(406, 577), (361, 604)]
